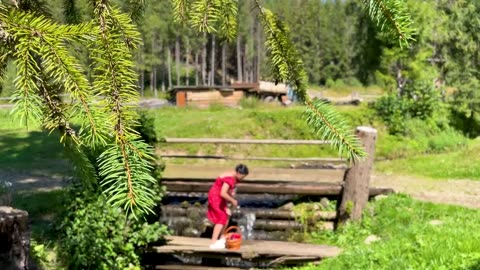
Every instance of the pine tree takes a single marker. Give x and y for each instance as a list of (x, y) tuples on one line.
[(41, 50)]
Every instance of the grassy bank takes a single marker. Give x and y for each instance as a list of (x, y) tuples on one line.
[(413, 235), (418, 153), (459, 164)]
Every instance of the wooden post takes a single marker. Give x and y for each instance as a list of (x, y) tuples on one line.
[(14, 239), (355, 192)]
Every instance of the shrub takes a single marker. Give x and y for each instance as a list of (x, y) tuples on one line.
[(394, 111), (98, 236), (146, 127)]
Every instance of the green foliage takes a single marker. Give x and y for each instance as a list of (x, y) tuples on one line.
[(408, 238), (327, 124), (393, 18), (394, 111), (420, 137), (464, 106), (208, 16), (422, 101), (146, 128), (99, 236)]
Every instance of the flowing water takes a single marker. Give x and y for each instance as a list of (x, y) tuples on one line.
[(246, 222)]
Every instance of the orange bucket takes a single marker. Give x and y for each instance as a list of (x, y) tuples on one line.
[(233, 240)]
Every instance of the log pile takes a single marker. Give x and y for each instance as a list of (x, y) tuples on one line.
[(270, 224)]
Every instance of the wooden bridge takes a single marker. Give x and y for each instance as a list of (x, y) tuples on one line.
[(349, 185), (272, 253)]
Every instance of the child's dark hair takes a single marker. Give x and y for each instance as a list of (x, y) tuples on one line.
[(241, 169)]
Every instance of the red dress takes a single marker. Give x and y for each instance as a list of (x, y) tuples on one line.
[(217, 206)]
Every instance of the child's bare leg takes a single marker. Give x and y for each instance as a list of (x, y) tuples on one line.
[(217, 229), (223, 230)]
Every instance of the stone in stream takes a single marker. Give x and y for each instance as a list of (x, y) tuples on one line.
[(289, 206)]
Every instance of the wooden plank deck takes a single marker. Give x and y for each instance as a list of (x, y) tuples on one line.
[(250, 250)]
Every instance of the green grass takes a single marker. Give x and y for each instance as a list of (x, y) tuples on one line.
[(460, 164), (345, 90), (32, 148), (408, 238)]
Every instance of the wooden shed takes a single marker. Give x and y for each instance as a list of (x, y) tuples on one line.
[(204, 96)]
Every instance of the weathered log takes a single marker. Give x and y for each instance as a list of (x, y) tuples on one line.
[(177, 210), (356, 185), (14, 239), (242, 141), (251, 158), (325, 189), (281, 188), (276, 225)]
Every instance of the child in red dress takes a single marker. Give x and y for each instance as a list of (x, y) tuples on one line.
[(220, 193)]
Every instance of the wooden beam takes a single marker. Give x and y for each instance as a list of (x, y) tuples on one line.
[(243, 141), (280, 188), (316, 189), (253, 158)]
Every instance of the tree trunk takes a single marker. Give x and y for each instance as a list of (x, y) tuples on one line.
[(152, 72), (259, 51), (212, 63), (14, 239), (224, 71), (187, 64), (204, 59), (245, 64), (239, 59), (356, 188), (177, 59), (163, 76), (196, 69), (142, 73), (169, 67)]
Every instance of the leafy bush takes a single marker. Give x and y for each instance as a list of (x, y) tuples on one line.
[(422, 101), (97, 236), (146, 128)]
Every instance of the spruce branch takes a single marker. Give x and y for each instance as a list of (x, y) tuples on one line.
[(126, 175), (124, 169), (393, 18), (329, 125), (180, 10)]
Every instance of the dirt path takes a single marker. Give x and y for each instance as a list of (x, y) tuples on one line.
[(458, 192)]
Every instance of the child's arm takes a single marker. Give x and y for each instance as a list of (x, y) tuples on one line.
[(226, 196)]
